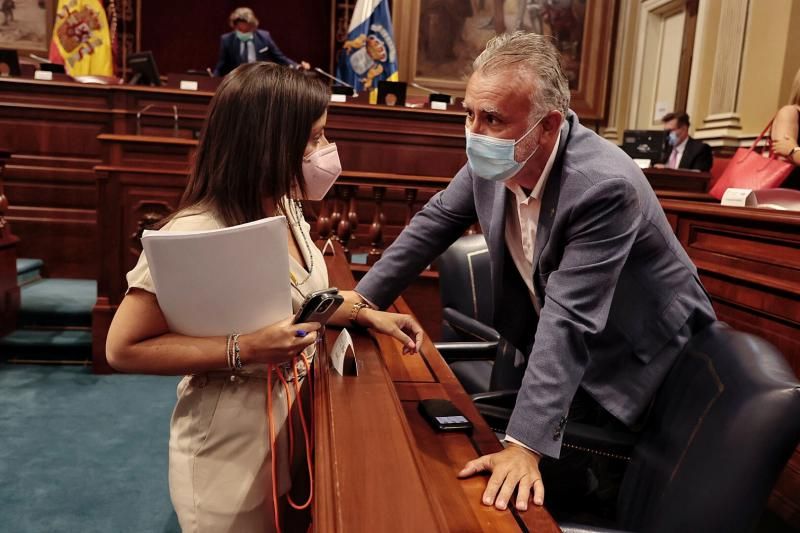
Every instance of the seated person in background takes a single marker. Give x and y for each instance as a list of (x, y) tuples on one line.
[(248, 44), (686, 152), (786, 132), (263, 147)]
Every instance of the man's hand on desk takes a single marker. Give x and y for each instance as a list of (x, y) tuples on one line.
[(513, 466), (402, 327)]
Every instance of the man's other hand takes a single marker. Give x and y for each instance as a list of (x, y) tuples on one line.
[(513, 466)]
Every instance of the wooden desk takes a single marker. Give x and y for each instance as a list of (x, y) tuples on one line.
[(675, 179), (378, 465), (749, 262), (9, 290)]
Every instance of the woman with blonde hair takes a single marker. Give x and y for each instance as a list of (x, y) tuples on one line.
[(263, 146), (786, 133)]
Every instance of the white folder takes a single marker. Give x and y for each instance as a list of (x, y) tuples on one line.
[(224, 281)]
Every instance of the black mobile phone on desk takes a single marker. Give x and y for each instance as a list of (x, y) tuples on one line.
[(319, 306), (442, 415)]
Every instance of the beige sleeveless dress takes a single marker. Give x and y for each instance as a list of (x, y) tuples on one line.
[(220, 462)]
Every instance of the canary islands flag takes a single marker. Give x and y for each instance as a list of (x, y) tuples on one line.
[(369, 55), (81, 40)]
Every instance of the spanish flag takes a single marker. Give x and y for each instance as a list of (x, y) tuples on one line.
[(81, 39)]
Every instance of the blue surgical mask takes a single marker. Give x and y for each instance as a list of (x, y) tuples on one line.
[(673, 138), (244, 37), (492, 158)]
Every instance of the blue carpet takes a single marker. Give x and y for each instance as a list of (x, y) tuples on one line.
[(28, 270), (59, 302), (58, 345), (84, 453)]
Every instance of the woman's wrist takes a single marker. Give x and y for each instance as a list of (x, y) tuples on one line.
[(246, 349), (363, 318), (793, 154)]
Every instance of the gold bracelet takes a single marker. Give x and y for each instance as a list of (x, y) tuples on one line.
[(357, 307)]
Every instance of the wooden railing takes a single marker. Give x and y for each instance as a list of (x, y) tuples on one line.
[(9, 290)]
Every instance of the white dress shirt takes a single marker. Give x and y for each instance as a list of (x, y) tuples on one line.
[(679, 154), (250, 46), (522, 221)]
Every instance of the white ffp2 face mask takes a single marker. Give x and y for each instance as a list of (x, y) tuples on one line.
[(492, 158), (320, 171)]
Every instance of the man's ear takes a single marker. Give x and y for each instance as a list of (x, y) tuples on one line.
[(552, 121)]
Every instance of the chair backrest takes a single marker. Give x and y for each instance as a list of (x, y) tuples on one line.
[(465, 285), (465, 280), (720, 430)]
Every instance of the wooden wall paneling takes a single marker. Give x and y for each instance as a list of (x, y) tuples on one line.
[(52, 129), (749, 261), (301, 29), (677, 179), (403, 141), (9, 290)]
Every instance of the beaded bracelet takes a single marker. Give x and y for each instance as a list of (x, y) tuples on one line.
[(237, 360), (232, 352), (228, 359)]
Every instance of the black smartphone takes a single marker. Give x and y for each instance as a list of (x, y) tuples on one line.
[(319, 306), (442, 415)]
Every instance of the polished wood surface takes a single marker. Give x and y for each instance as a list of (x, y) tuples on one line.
[(54, 131), (676, 179), (749, 262), (9, 290), (378, 465)]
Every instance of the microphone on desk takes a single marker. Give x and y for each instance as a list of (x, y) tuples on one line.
[(431, 91), (39, 58), (139, 118), (337, 80)]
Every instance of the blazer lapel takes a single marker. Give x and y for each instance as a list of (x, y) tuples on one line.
[(549, 204), (259, 42), (497, 241)]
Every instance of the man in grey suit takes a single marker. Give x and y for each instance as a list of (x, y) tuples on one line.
[(588, 277)]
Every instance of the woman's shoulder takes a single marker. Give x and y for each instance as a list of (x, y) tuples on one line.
[(193, 219), (788, 111)]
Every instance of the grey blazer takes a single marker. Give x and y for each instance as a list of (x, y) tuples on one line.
[(619, 296)]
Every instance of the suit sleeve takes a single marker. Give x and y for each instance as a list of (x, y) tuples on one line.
[(220, 69), (705, 158), (277, 55), (577, 301), (443, 220)]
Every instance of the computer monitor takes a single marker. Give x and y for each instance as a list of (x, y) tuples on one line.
[(144, 69), (9, 63), (55, 68), (392, 93), (645, 144)]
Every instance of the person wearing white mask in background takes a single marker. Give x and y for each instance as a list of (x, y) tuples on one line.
[(588, 279), (263, 150), (247, 44), (684, 151)]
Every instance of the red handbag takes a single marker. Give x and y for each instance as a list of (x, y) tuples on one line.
[(752, 170)]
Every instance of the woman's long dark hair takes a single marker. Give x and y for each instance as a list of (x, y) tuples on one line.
[(253, 140)]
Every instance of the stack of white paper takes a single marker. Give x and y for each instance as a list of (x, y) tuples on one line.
[(217, 282)]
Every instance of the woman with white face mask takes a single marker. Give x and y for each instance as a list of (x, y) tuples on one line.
[(262, 151)]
